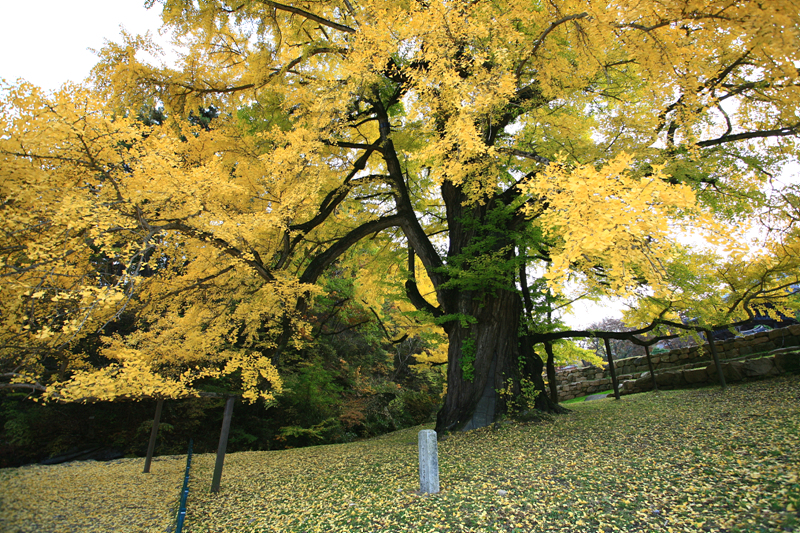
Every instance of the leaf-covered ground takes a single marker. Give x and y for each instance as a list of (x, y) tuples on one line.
[(91, 496), (701, 460)]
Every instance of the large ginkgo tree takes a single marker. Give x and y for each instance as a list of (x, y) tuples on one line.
[(482, 137)]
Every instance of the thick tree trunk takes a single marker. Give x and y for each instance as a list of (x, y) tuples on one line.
[(486, 351), (481, 357), (485, 357)]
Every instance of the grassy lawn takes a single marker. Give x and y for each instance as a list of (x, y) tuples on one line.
[(698, 460), (583, 398)]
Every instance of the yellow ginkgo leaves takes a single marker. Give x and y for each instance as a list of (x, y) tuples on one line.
[(609, 217)]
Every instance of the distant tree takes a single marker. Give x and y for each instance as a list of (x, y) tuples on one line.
[(621, 348)]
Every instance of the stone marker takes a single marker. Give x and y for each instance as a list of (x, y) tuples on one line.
[(428, 462)]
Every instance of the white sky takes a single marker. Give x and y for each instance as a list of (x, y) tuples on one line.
[(584, 314), (46, 42)]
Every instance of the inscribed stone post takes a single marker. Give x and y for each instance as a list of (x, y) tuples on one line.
[(428, 462)]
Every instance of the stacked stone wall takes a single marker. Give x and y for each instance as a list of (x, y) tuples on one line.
[(684, 366)]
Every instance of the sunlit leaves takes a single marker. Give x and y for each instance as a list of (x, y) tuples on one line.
[(607, 216), (103, 214)]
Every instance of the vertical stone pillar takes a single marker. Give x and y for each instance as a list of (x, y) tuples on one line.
[(428, 462)]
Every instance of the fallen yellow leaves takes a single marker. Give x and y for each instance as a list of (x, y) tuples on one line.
[(91, 496), (682, 461)]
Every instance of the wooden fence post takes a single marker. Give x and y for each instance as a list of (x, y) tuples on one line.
[(551, 372), (650, 366), (223, 443), (153, 434), (713, 348), (612, 369)]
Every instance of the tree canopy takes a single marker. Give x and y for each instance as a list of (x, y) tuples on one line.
[(467, 140)]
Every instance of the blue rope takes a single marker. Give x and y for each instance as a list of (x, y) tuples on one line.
[(184, 492)]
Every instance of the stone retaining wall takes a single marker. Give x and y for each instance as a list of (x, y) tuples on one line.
[(689, 366)]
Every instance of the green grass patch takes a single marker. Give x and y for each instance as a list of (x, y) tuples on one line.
[(583, 398), (680, 461)]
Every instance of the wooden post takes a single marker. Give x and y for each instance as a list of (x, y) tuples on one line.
[(153, 434), (223, 443), (428, 462), (650, 366), (612, 369), (713, 348), (551, 372)]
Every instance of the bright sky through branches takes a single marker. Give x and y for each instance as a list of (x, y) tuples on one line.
[(47, 42)]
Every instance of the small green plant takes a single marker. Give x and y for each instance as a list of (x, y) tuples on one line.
[(300, 436), (525, 400), (468, 359)]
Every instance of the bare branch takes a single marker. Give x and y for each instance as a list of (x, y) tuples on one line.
[(310, 16), (553, 25), (779, 132)]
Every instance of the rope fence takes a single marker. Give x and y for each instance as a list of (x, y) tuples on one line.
[(184, 492)]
